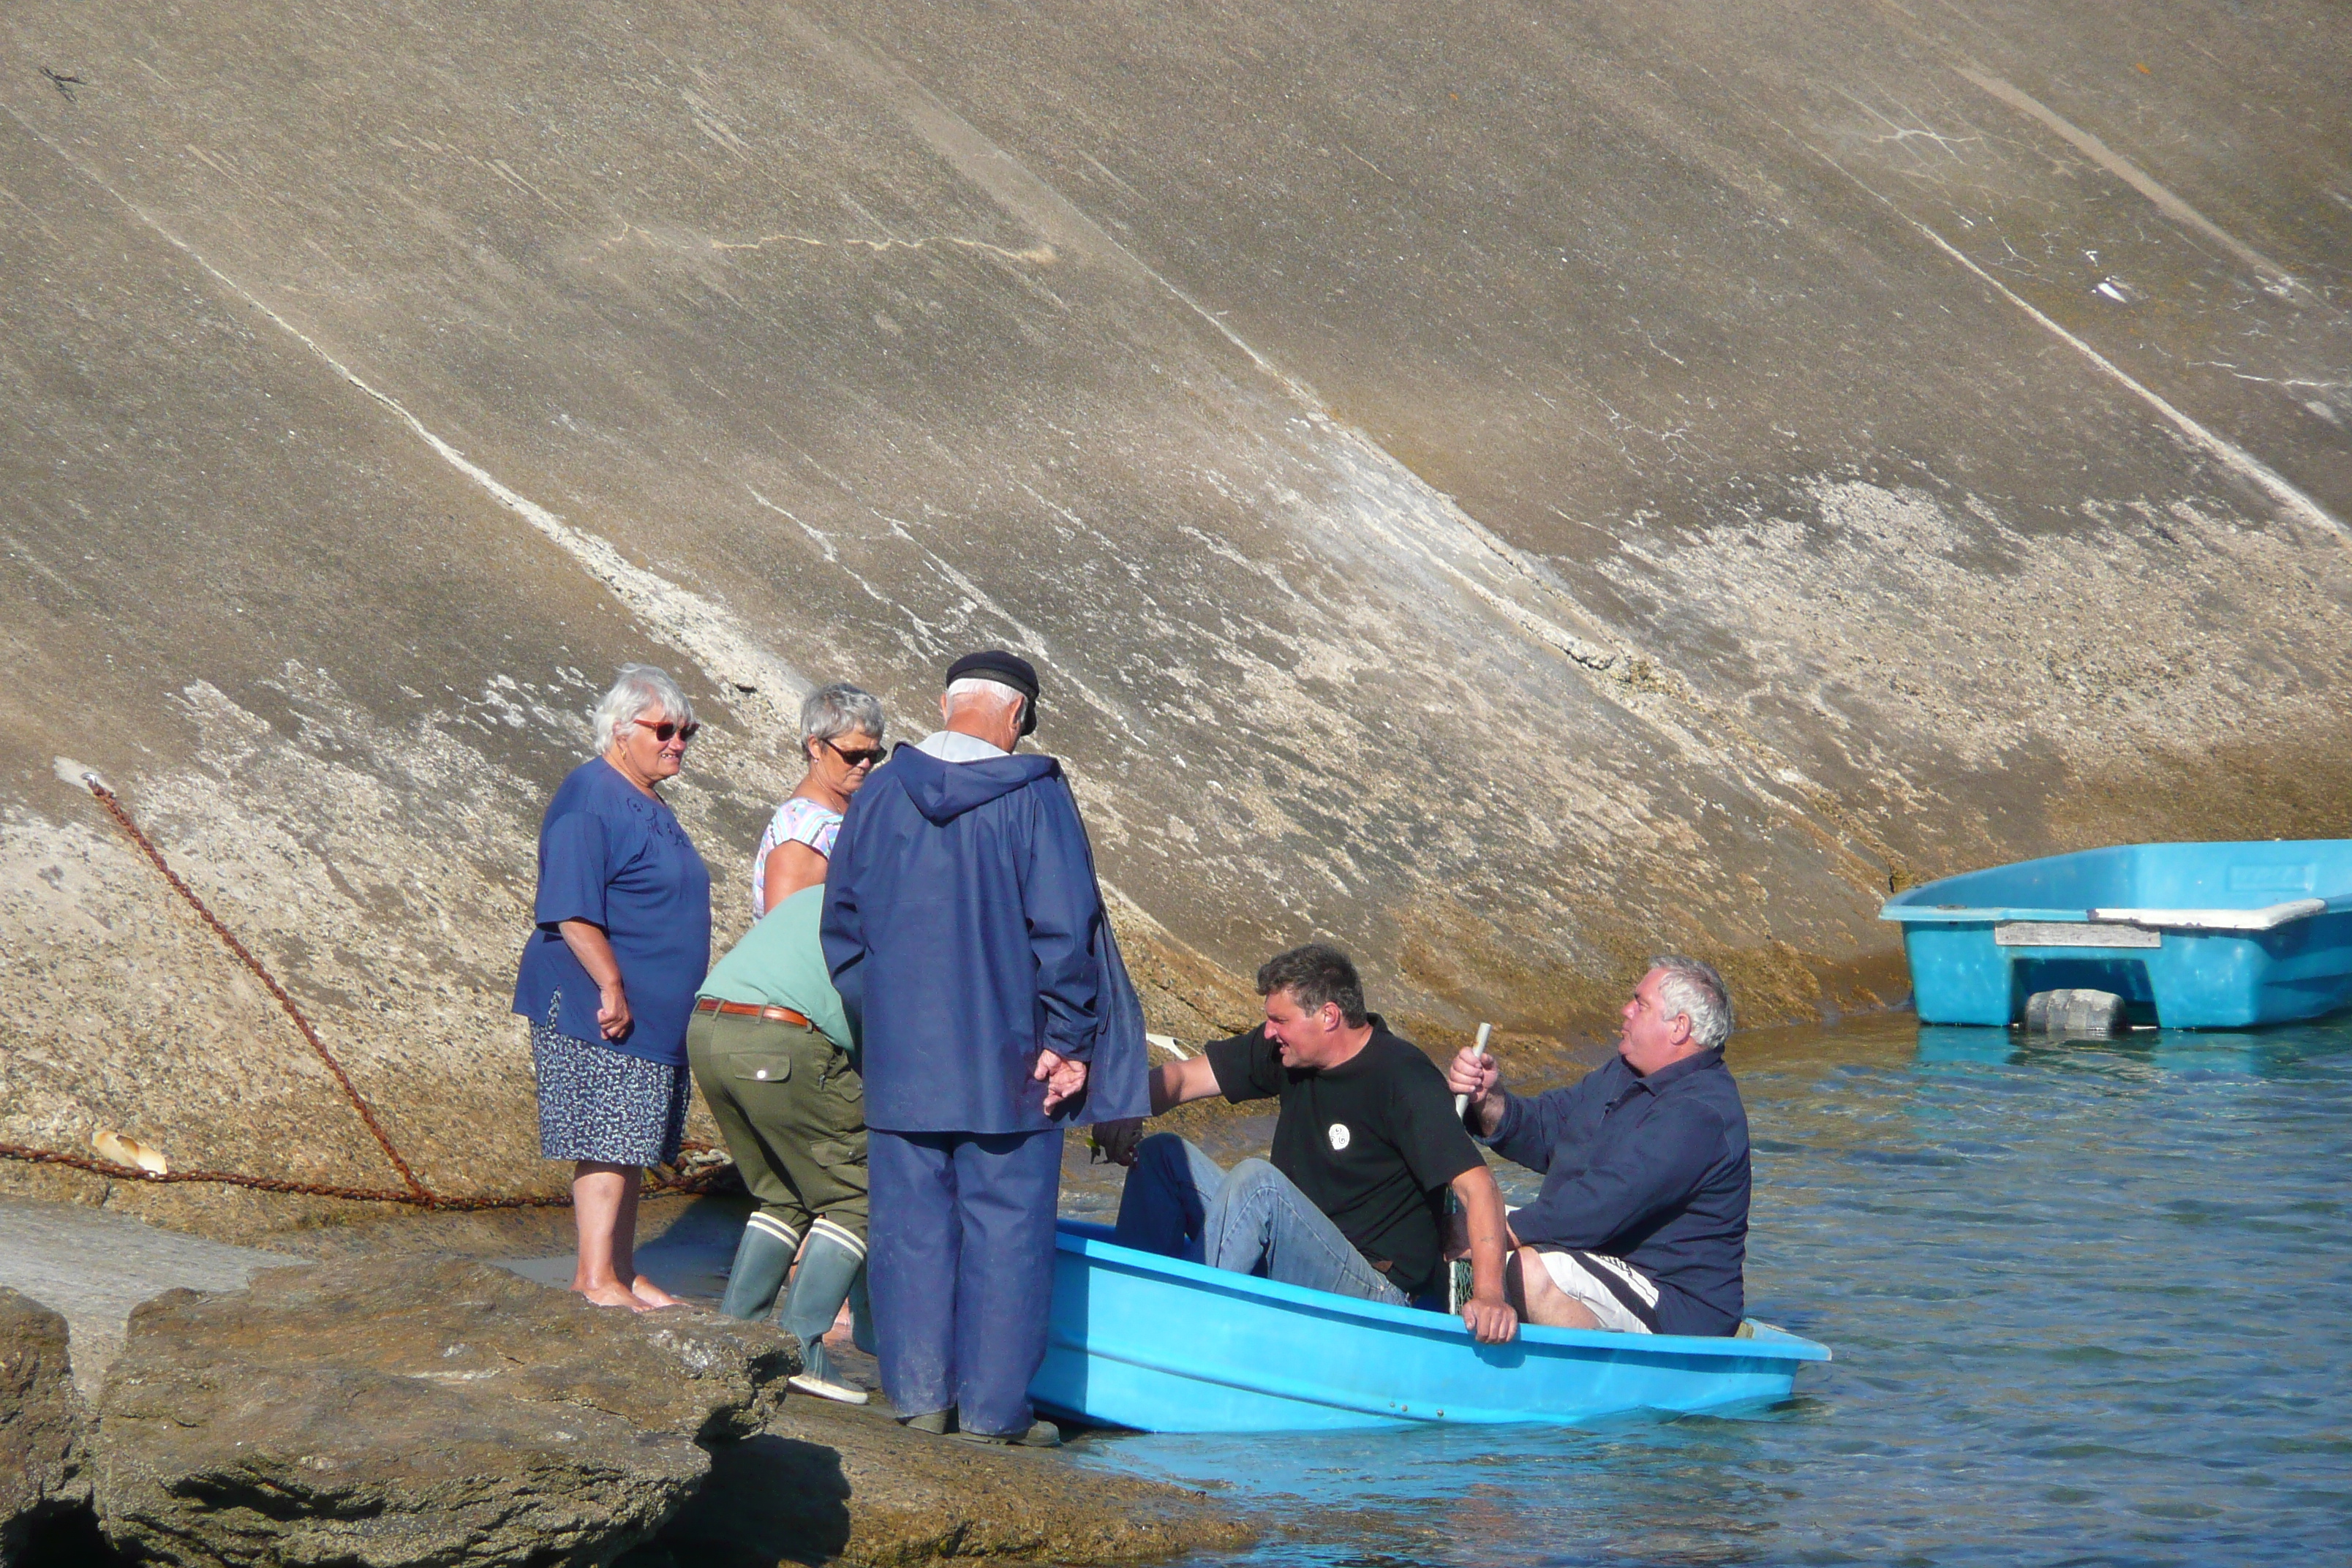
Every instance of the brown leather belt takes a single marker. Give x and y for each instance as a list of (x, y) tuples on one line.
[(746, 1010)]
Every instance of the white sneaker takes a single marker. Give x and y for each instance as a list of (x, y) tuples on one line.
[(816, 1376), (825, 1388)]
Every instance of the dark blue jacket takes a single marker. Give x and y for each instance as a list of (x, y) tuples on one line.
[(965, 934), (1652, 1170)]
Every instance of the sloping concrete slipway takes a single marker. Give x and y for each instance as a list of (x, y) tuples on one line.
[(1508, 487)]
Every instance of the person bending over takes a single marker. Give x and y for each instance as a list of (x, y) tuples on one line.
[(1642, 1225), (1365, 1147), (772, 1050)]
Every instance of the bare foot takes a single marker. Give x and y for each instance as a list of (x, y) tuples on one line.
[(651, 1295), (613, 1295)]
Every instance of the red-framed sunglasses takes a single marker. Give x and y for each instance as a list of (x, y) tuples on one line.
[(667, 728)]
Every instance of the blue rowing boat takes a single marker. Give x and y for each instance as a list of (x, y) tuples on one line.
[(2191, 936), (1163, 1345)]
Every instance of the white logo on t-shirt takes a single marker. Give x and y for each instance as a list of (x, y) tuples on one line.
[(1338, 1136)]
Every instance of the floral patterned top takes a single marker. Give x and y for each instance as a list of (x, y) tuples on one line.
[(799, 820)]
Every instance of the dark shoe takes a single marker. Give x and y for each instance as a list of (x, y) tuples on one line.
[(1041, 1435), (937, 1422)]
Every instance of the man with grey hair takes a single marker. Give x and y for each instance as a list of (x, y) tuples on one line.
[(965, 932), (1642, 1225)]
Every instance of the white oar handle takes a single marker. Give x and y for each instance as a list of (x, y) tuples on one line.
[(1462, 1102)]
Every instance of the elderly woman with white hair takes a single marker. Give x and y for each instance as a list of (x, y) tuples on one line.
[(621, 941), (841, 741)]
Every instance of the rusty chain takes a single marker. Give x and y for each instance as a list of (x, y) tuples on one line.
[(416, 1196), (228, 939)]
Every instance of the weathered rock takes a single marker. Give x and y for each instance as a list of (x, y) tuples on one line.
[(42, 1473), (415, 1411), (95, 1267), (829, 1483), (1509, 498)]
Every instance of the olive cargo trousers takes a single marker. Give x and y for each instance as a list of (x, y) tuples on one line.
[(794, 1113)]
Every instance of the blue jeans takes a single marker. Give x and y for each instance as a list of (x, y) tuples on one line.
[(1182, 1204)]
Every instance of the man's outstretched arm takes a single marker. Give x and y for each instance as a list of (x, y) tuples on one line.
[(1173, 1084), (1487, 1315), (1181, 1083)]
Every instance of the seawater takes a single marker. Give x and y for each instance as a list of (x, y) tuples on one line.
[(2091, 1303)]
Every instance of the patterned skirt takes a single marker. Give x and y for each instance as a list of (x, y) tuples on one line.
[(596, 1104)]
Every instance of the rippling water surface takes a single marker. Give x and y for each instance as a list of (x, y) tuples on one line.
[(2091, 1303)]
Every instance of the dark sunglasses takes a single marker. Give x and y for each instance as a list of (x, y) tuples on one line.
[(857, 759), (667, 728)]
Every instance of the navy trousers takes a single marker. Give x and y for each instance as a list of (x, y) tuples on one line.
[(960, 1270)]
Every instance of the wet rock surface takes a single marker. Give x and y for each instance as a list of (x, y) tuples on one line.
[(42, 1457), (95, 1267), (1511, 489), (415, 1411), (829, 1481), (397, 1403)]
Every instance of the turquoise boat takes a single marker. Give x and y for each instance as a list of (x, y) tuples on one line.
[(2191, 936), (1161, 1345)]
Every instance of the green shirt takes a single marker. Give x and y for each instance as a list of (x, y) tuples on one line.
[(780, 963)]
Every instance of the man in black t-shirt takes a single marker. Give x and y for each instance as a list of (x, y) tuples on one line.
[(1365, 1148)]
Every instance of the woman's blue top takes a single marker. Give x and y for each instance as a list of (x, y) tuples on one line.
[(612, 856)]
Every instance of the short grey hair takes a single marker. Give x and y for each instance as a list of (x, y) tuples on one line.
[(638, 689), (839, 710), (980, 686), (1693, 989)]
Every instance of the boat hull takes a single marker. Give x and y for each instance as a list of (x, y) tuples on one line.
[(2141, 921), (1162, 1345)]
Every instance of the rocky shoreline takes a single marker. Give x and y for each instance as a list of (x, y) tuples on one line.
[(432, 1409)]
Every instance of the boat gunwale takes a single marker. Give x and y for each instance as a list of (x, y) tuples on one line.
[(2180, 924), (1577, 1344), (1913, 905)]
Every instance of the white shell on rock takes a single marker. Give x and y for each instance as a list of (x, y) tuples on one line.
[(125, 1150)]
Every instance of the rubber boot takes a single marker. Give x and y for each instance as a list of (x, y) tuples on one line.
[(761, 1259), (828, 1267)]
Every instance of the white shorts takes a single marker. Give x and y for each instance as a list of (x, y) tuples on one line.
[(1611, 1289)]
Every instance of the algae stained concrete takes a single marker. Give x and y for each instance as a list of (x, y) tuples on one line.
[(1507, 489)]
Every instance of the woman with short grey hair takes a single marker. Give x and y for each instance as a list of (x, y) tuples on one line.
[(620, 942), (841, 741)]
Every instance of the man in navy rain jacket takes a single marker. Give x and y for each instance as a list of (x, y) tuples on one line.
[(1643, 1223), (965, 932)]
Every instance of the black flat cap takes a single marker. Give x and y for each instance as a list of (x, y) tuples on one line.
[(1006, 669)]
